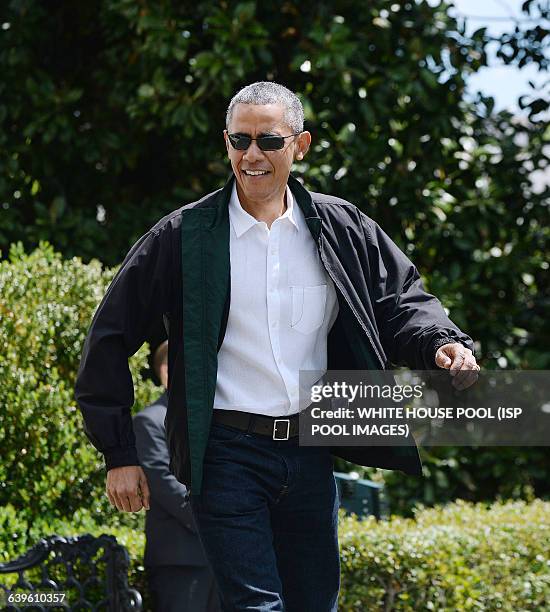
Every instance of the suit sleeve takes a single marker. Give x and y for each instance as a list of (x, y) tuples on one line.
[(133, 304), (153, 455), (412, 322)]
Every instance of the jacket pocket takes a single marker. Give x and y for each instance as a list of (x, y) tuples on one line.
[(308, 307)]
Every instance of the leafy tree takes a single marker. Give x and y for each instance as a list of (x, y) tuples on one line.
[(111, 115)]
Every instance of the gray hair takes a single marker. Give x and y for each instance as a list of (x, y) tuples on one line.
[(267, 92)]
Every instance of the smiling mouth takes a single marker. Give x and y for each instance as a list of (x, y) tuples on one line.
[(255, 172)]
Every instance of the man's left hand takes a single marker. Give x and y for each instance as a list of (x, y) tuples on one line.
[(460, 362)]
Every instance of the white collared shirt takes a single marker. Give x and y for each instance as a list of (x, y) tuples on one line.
[(283, 304)]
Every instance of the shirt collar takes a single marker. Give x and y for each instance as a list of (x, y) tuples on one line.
[(242, 221)]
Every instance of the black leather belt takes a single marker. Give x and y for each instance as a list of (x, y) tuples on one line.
[(276, 428)]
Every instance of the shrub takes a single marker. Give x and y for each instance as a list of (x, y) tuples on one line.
[(457, 557), (48, 466)]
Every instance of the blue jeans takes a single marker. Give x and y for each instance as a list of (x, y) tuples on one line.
[(267, 517)]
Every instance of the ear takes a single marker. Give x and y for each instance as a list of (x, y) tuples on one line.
[(227, 143), (303, 142)]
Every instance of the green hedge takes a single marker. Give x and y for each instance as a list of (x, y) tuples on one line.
[(48, 467), (458, 557)]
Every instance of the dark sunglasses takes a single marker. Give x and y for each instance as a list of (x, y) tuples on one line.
[(241, 142)]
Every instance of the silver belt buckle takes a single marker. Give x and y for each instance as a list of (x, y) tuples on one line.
[(287, 423)]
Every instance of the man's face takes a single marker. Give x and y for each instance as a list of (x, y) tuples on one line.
[(262, 120)]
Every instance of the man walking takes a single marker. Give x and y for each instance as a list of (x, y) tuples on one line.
[(177, 570), (255, 282)]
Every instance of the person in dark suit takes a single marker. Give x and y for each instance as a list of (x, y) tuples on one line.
[(178, 573)]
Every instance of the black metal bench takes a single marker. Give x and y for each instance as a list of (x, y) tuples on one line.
[(93, 571)]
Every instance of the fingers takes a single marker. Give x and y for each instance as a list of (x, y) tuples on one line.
[(144, 490), (122, 502), (125, 488), (464, 369), (461, 363), (466, 378), (126, 502), (458, 361), (442, 360)]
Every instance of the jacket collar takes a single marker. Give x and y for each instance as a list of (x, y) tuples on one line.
[(215, 210), (305, 202), (242, 221)]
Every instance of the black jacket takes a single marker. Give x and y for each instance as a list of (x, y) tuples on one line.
[(179, 272)]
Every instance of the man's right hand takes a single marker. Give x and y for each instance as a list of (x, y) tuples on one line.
[(127, 488)]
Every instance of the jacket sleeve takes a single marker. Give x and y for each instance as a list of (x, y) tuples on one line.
[(153, 455), (133, 304), (412, 323)]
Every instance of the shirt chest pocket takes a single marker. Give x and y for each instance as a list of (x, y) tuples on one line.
[(308, 307)]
